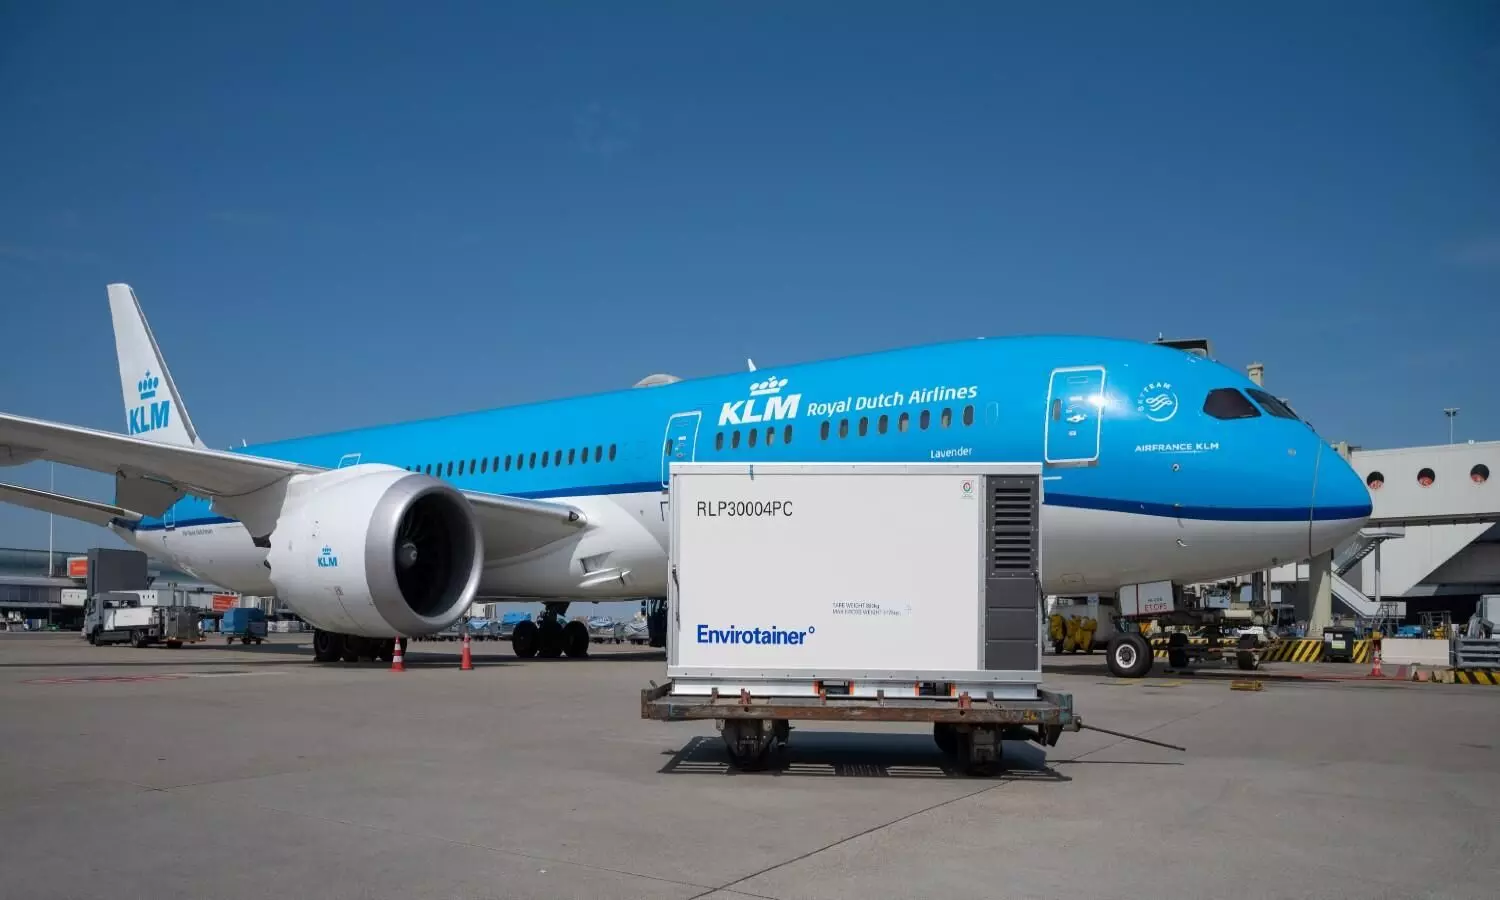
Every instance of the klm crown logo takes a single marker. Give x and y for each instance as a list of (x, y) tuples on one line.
[(327, 560), (768, 387), (151, 414), (773, 406)]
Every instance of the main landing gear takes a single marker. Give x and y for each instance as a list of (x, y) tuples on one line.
[(549, 637), (329, 646)]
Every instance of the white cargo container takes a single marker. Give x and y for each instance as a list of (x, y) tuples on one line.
[(915, 586)]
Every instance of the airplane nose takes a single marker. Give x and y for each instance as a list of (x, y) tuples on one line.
[(1340, 501)]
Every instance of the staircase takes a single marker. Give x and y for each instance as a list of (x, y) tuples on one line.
[(1362, 545)]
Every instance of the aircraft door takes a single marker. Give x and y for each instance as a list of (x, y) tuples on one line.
[(680, 444), (1075, 405)]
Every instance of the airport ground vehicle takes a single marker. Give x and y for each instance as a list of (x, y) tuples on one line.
[(245, 623), (117, 617), (953, 636)]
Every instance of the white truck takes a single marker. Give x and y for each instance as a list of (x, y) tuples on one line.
[(858, 592), (117, 617)]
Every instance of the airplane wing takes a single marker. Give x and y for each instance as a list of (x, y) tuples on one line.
[(91, 511), (150, 476)]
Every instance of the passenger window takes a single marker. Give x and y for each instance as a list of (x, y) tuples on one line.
[(545, 457), (429, 469), (598, 452), (924, 420), (450, 469), (1057, 410), (864, 425), (583, 455), (572, 453), (882, 423), (734, 439), (786, 435), (484, 465), (719, 441), (507, 462), (843, 428), (496, 464), (770, 435), (471, 465), (1228, 403), (752, 436), (824, 430), (969, 415), (668, 448), (1272, 404), (946, 418), (903, 423), (611, 452), (531, 460), (557, 458)]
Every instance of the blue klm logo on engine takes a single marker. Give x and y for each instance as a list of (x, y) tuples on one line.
[(152, 413), (328, 560)]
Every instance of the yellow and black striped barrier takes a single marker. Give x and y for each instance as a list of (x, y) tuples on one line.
[(1159, 644), (1299, 650), (1490, 677)]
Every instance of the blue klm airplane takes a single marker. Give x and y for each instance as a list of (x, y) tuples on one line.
[(1160, 465)]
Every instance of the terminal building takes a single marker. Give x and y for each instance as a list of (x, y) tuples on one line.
[(33, 582), (1432, 545)]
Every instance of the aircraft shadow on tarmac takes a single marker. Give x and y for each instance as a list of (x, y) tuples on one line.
[(837, 754)]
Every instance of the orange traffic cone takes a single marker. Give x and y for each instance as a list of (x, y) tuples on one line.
[(397, 663), (468, 661), (1375, 668)]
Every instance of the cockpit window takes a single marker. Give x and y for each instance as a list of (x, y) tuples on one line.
[(1272, 405), (1228, 403)]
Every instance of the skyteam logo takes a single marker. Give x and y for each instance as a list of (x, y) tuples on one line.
[(327, 560), (735, 635), (773, 407), (152, 414), (1157, 401)]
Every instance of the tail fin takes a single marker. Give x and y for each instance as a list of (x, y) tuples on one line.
[(153, 408)]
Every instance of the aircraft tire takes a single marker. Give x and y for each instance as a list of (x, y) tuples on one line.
[(549, 639), (1129, 656), (575, 640), (327, 646), (524, 640)]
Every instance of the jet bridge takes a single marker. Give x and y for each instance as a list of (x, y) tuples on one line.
[(1433, 502)]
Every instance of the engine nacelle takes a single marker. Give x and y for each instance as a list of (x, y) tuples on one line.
[(376, 551)]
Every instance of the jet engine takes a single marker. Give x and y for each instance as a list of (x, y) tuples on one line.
[(376, 551)]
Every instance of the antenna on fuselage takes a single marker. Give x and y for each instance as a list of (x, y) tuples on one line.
[(750, 363)]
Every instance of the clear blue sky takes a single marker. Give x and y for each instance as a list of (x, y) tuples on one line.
[(344, 215)]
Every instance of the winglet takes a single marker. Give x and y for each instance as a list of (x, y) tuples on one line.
[(153, 408)]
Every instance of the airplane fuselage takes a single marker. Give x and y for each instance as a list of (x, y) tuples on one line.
[(1153, 471)]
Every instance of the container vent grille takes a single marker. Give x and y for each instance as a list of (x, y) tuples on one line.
[(1012, 526)]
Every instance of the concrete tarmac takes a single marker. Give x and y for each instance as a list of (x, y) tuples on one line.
[(239, 773)]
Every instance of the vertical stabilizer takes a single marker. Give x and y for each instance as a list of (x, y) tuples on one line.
[(153, 407)]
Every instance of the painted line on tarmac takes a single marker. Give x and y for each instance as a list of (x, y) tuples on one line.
[(134, 679)]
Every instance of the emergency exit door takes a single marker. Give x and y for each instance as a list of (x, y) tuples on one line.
[(1075, 412), (681, 443)]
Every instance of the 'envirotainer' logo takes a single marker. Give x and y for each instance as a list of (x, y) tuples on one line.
[(735, 635)]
